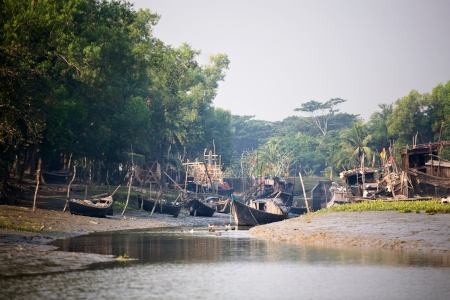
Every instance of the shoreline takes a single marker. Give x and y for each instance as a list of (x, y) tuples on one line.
[(24, 252), (387, 230), (29, 252)]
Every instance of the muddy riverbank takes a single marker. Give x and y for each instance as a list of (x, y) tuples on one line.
[(388, 230), (25, 252)]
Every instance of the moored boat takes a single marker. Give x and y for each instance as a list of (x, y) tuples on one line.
[(91, 207), (224, 189), (163, 207), (298, 210), (57, 177), (220, 205), (224, 206), (198, 208), (259, 212), (428, 172)]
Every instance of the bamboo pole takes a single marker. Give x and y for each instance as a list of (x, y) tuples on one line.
[(131, 180), (38, 175), (303, 187), (158, 199), (186, 179), (129, 189), (115, 190), (173, 180), (68, 188)]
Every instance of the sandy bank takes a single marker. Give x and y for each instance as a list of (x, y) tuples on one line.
[(380, 229)]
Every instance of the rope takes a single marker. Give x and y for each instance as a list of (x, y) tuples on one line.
[(253, 216)]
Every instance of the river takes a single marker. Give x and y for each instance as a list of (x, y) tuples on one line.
[(175, 263)]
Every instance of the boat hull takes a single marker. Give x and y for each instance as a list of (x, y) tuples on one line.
[(91, 208), (168, 209), (196, 208), (298, 210), (223, 206), (56, 177), (426, 185), (245, 215)]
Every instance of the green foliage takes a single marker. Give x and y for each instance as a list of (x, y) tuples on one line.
[(377, 127), (410, 117), (249, 134), (21, 226), (320, 113), (354, 150), (430, 206), (87, 79), (440, 111)]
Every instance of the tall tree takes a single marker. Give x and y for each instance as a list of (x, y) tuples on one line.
[(354, 150), (409, 118), (320, 113), (275, 158), (249, 134), (378, 126), (440, 111)]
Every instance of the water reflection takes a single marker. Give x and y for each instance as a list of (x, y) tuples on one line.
[(179, 245), (171, 264)]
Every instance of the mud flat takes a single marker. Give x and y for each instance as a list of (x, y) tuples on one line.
[(23, 252), (372, 229)]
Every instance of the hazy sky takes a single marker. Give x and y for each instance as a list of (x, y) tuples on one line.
[(285, 53)]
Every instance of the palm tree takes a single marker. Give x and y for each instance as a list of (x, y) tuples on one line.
[(378, 125), (277, 159), (354, 146)]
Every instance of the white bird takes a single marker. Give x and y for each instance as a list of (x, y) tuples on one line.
[(227, 227), (192, 231)]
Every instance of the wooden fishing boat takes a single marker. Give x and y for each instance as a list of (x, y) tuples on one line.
[(163, 207), (271, 187), (220, 205), (224, 189), (57, 177), (298, 210), (223, 206), (428, 172), (198, 208), (259, 212), (92, 207)]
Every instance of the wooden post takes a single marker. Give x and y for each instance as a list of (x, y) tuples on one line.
[(107, 182), (129, 189), (115, 190), (158, 199), (38, 175), (401, 184), (185, 180), (131, 180), (68, 188), (303, 187), (173, 181)]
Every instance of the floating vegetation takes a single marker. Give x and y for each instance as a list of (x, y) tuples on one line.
[(429, 206)]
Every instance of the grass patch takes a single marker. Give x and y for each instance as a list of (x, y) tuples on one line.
[(24, 226), (429, 206)]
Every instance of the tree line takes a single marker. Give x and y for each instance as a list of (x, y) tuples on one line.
[(86, 83), (322, 138)]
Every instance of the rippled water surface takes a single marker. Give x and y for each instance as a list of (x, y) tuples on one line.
[(173, 263)]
